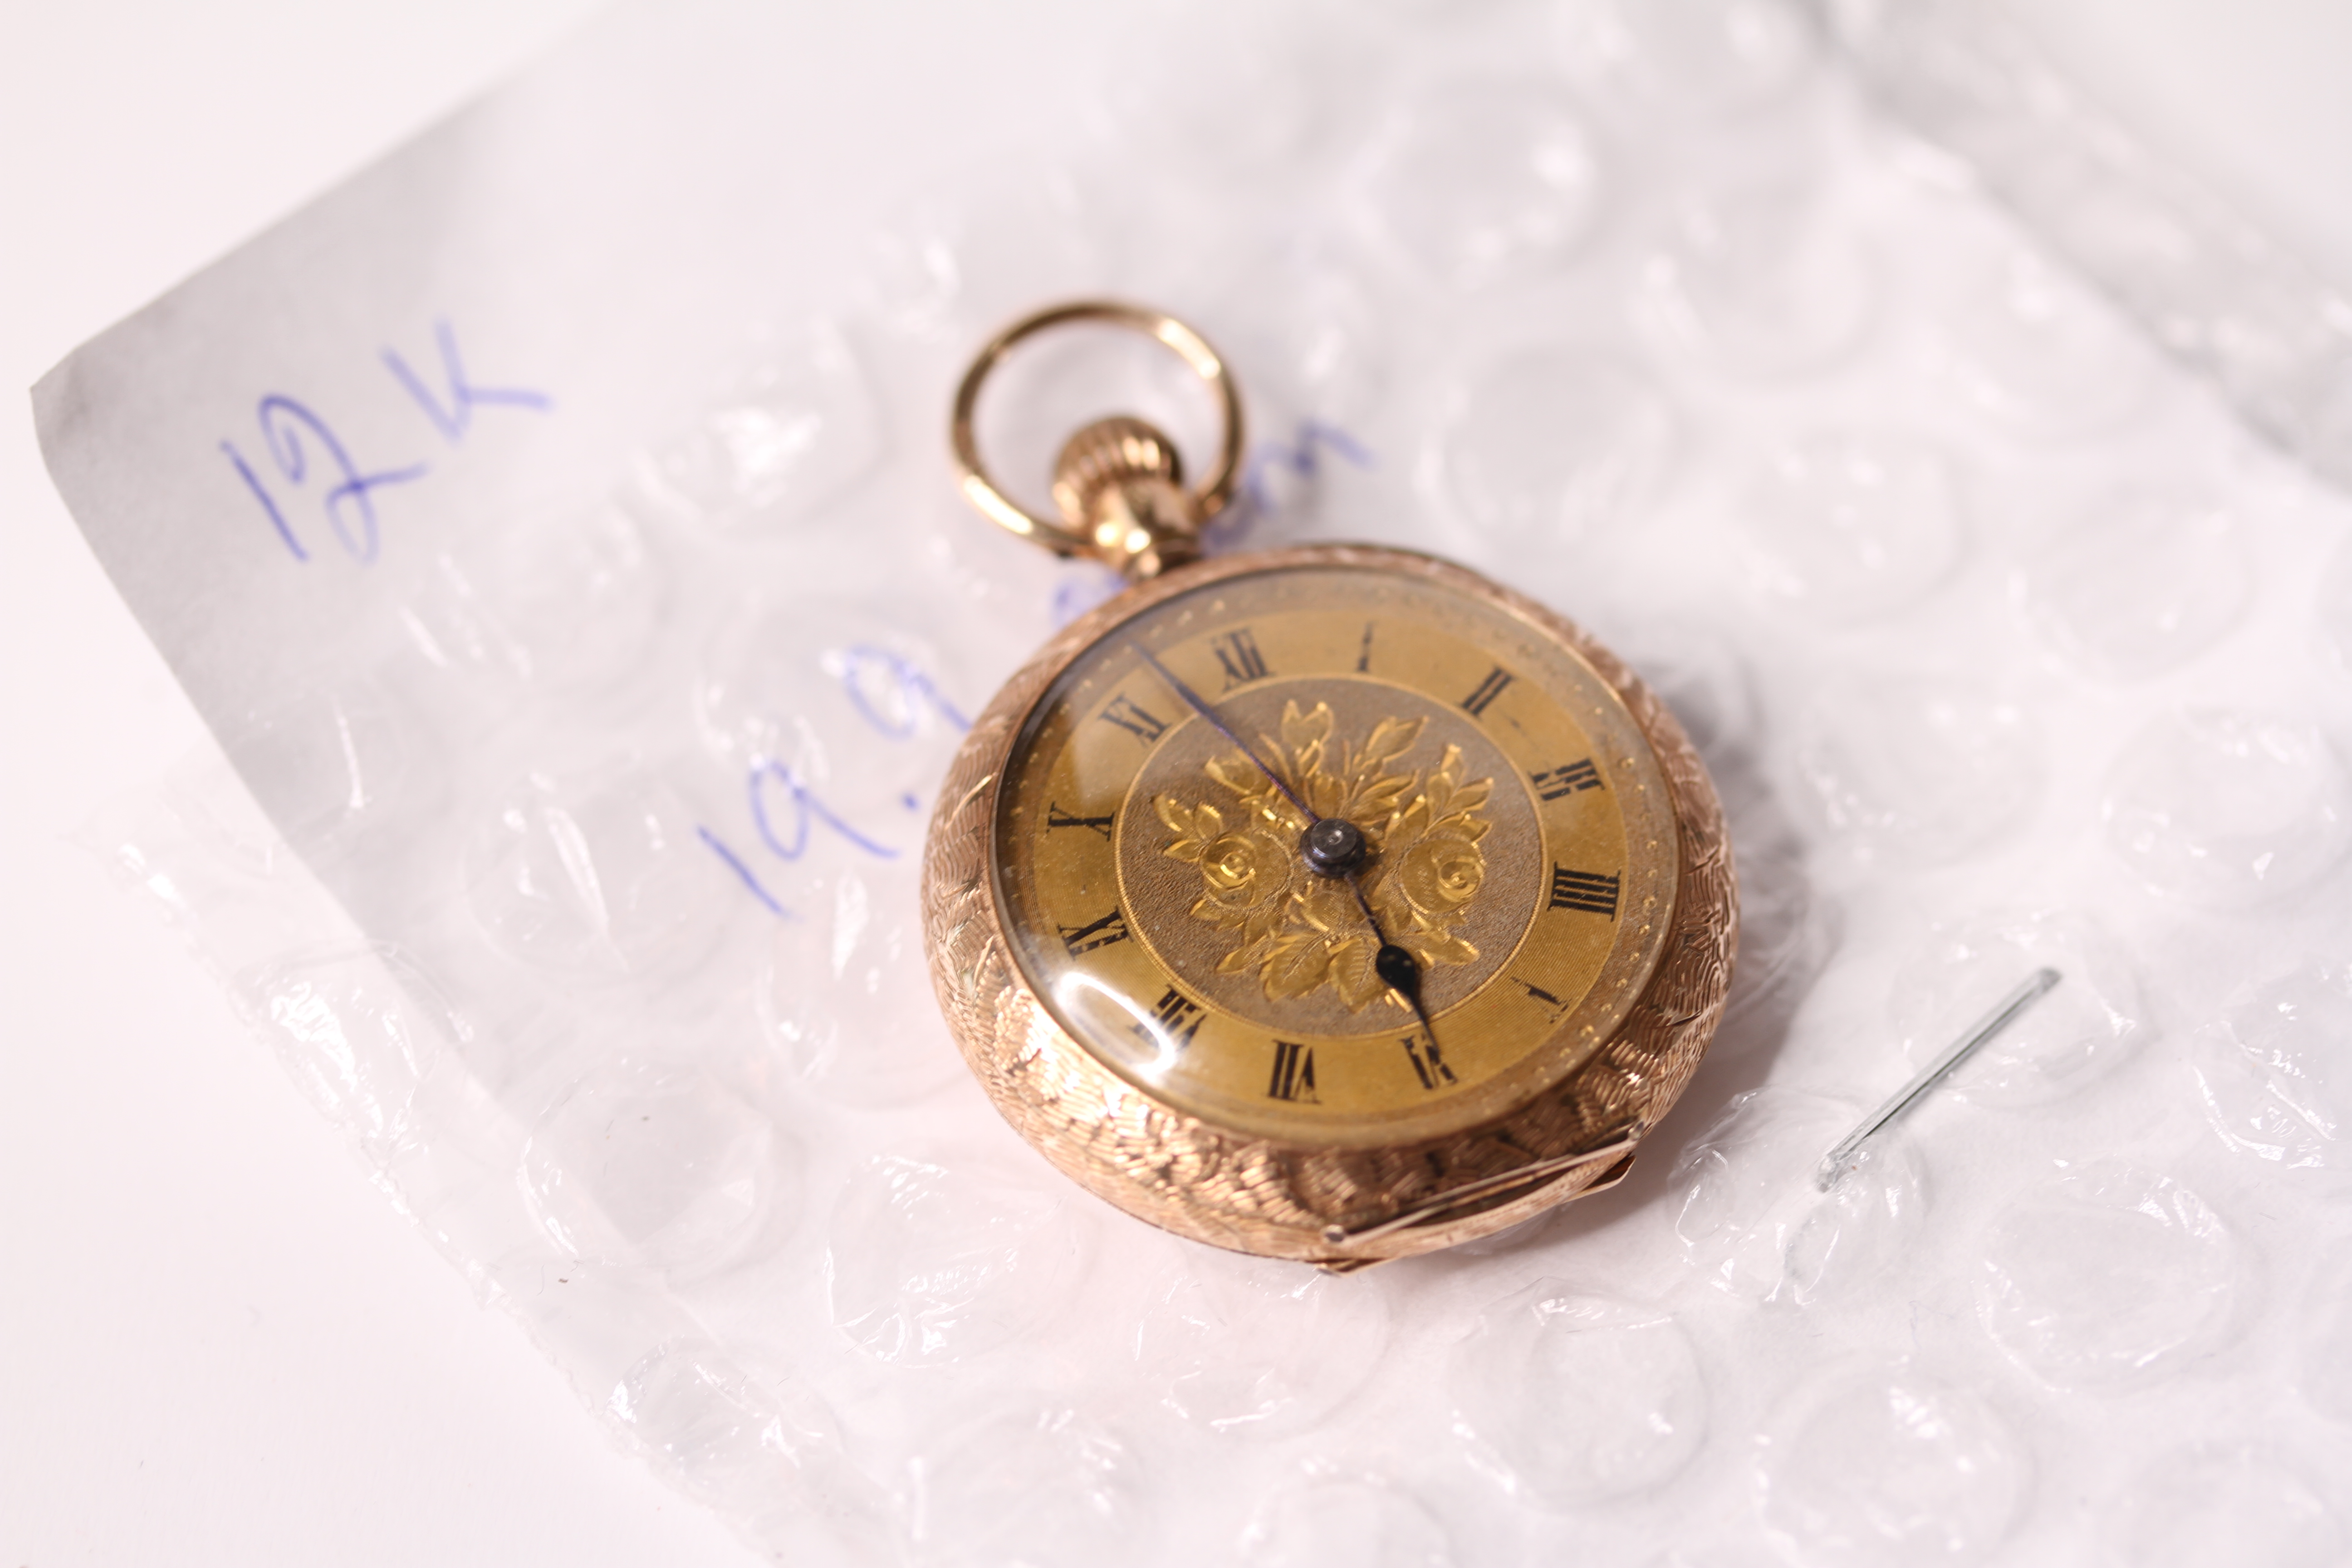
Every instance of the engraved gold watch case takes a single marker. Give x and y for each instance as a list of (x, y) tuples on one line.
[(1331, 903)]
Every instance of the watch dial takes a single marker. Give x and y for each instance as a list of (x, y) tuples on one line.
[(1517, 841)]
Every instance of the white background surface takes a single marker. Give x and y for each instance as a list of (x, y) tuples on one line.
[(218, 1343)]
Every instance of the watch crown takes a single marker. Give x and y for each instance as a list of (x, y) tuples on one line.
[(1120, 483)]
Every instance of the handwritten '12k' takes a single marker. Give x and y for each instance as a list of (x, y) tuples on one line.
[(310, 458)]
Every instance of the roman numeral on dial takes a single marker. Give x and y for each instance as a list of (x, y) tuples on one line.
[(1175, 1017), (1588, 891), (1427, 1064), (1056, 817), (1237, 655), (1557, 781), (1135, 720), (1537, 994), (1489, 689), (1111, 928), (1294, 1073)]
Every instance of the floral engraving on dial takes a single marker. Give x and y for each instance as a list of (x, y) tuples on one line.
[(1300, 931)]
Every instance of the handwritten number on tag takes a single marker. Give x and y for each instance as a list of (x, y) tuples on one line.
[(887, 690), (770, 777)]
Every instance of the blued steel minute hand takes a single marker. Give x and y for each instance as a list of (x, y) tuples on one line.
[(1200, 706), (1332, 848)]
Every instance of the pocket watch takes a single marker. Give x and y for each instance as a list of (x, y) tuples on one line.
[(1331, 904)]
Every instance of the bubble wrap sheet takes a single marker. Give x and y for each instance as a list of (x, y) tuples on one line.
[(554, 527)]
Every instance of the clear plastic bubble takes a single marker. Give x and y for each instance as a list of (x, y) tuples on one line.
[(1716, 57), (1304, 331), (598, 877), (1049, 1490), (1233, 103), (1891, 1469), (1486, 181), (784, 673), (2228, 808), (836, 995), (1787, 932), (325, 764), (1701, 674), (1922, 769), (566, 602), (1753, 280), (932, 1262), (1753, 1220), (657, 1164), (2333, 606), (1361, 1523), (759, 1448), (795, 433), (358, 1029), (1851, 526), (1550, 446), (2268, 1069), (2108, 1277), (2041, 357), (2144, 581), (1243, 1344), (2075, 1036), (968, 258), (1572, 1398), (2243, 1506), (2325, 1326)]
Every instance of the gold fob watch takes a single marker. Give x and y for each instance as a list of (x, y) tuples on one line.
[(1331, 904)]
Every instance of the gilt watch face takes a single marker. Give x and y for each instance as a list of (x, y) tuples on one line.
[(1511, 833)]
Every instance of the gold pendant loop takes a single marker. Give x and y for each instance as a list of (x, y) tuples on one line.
[(1117, 483)]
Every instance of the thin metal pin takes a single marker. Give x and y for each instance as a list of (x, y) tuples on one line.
[(2004, 1013)]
